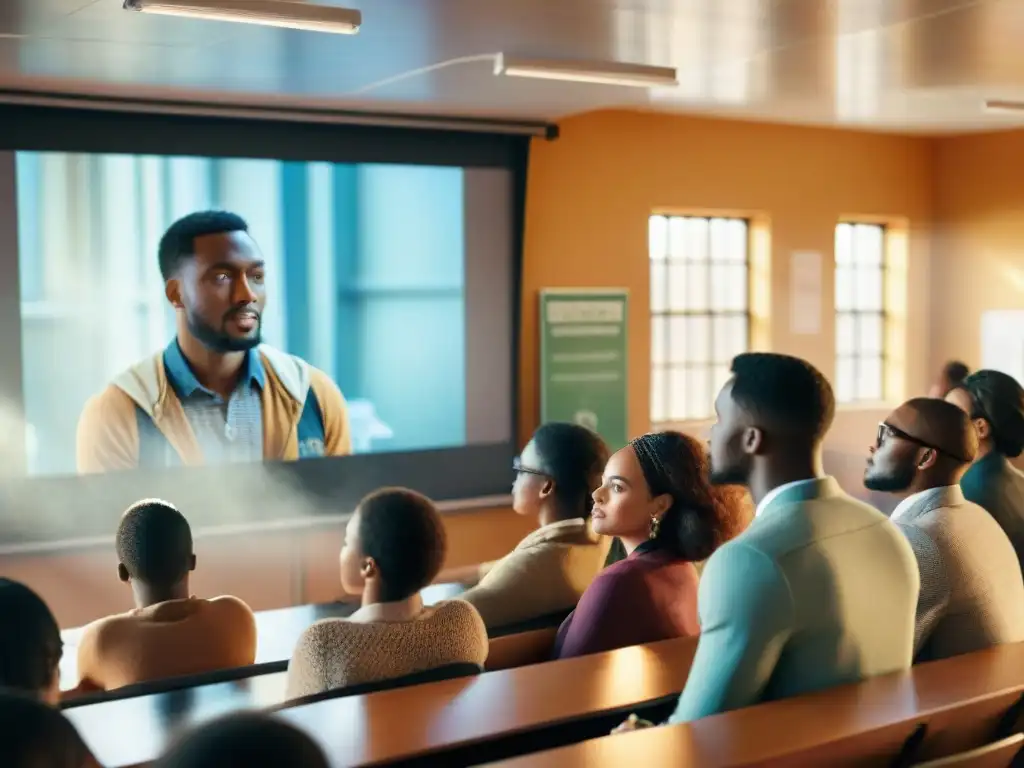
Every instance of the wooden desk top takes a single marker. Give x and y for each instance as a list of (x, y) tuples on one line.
[(825, 722), (363, 730), (277, 631), (132, 731)]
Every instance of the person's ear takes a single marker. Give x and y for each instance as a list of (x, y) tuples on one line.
[(122, 573), (752, 440), (983, 428), (368, 568), (172, 290), (928, 458), (547, 489), (662, 504), (192, 562)]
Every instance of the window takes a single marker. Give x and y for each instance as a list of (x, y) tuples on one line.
[(700, 311), (860, 312)]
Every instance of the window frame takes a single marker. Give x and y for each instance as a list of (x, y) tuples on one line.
[(665, 365), (857, 356)]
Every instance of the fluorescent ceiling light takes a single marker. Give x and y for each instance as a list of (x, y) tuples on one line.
[(1002, 105), (291, 14), (602, 72)]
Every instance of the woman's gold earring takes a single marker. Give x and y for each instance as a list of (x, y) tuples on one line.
[(655, 526)]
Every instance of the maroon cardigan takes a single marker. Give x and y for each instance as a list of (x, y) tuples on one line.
[(649, 596)]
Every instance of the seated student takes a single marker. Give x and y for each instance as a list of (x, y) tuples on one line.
[(821, 589), (244, 740), (656, 499), (35, 735), (30, 644), (995, 403), (951, 375), (394, 547), (170, 632), (972, 592), (550, 568)]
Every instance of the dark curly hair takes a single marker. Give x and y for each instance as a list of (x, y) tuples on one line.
[(702, 516), (154, 542), (402, 531)]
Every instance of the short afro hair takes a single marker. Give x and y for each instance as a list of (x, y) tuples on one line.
[(179, 241), (790, 392), (402, 531), (30, 644), (36, 734), (242, 740), (154, 542)]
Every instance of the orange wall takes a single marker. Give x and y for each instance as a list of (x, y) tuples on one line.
[(590, 194), (979, 238)]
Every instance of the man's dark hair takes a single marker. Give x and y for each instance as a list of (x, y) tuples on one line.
[(30, 644), (954, 372), (574, 458), (154, 542), (36, 734), (789, 391), (243, 740), (401, 530), (179, 241), (998, 398)]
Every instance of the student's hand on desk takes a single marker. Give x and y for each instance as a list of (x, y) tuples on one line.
[(632, 723)]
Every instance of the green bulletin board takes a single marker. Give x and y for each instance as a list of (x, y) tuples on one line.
[(583, 360)]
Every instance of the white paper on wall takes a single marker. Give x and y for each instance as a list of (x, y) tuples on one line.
[(805, 292), (1002, 341)]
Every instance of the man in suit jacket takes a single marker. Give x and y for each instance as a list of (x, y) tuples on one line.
[(972, 592)]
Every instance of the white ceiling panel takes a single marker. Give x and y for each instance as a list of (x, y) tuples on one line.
[(913, 65)]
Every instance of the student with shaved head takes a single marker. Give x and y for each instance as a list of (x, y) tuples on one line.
[(972, 592), (170, 632)]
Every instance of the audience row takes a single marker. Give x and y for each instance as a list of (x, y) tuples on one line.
[(791, 584)]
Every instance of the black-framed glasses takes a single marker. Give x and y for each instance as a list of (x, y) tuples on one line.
[(885, 431), (518, 467)]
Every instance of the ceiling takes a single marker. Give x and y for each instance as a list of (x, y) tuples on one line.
[(903, 65)]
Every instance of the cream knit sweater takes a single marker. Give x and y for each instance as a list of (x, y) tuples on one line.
[(335, 653)]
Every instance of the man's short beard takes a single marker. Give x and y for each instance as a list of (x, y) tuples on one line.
[(219, 341)]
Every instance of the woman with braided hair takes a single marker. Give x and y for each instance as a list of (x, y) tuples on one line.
[(655, 497)]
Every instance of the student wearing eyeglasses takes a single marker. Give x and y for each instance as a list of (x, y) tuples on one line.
[(551, 568), (972, 592)]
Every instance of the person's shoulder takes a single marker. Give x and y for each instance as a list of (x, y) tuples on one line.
[(231, 605), (460, 622), (102, 633)]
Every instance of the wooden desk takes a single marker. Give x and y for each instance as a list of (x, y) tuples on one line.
[(277, 631), (961, 700), (419, 722), (405, 721), (115, 730)]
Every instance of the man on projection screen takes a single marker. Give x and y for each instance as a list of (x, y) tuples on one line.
[(215, 394)]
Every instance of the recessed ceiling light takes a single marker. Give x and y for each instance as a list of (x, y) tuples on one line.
[(291, 14), (600, 72)]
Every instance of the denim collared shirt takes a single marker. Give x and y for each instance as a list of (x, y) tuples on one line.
[(227, 430)]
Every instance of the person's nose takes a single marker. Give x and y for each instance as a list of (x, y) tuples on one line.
[(244, 294)]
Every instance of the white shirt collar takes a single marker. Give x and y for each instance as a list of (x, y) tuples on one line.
[(774, 493), (911, 501)]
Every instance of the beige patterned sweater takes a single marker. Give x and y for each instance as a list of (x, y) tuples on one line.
[(335, 653)]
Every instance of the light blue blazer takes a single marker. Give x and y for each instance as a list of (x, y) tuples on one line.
[(819, 591)]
